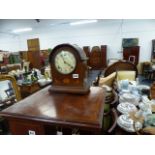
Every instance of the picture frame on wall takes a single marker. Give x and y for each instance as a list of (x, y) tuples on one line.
[(130, 42)]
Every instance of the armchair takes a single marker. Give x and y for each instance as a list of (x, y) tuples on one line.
[(12, 83), (9, 94), (107, 80), (110, 72), (122, 75), (120, 65)]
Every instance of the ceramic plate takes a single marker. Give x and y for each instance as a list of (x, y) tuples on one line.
[(140, 87), (126, 123), (126, 107), (130, 98)]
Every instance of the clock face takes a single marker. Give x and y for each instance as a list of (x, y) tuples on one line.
[(65, 62)]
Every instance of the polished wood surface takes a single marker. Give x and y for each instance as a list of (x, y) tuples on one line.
[(152, 91), (44, 107), (120, 65), (86, 49), (33, 53), (153, 50), (34, 59), (98, 57), (131, 51), (33, 44)]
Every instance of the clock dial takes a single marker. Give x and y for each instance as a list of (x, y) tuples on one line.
[(65, 62)]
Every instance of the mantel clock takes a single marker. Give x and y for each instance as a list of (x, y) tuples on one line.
[(69, 69)]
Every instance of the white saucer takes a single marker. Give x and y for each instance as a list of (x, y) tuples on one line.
[(140, 87), (130, 98), (126, 107), (126, 123)]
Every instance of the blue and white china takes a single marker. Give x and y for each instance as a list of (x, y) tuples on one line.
[(126, 107)]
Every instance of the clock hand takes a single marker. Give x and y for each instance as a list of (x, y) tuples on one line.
[(66, 62)]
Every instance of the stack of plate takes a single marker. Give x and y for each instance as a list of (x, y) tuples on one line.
[(126, 107), (109, 94), (126, 123), (140, 87), (130, 98)]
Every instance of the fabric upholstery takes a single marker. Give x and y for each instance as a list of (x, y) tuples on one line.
[(122, 75)]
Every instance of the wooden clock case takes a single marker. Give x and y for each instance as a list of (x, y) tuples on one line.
[(76, 81)]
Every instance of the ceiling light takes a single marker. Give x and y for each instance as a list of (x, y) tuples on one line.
[(22, 30), (84, 22)]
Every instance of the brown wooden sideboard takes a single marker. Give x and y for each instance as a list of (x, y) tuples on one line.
[(97, 56), (131, 54), (153, 50), (44, 112), (97, 59), (33, 53)]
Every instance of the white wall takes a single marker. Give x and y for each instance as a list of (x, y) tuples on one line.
[(108, 32)]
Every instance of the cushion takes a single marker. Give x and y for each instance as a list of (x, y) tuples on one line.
[(123, 75)]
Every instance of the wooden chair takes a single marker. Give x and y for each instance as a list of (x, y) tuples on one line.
[(113, 121), (110, 114), (111, 70), (123, 75), (13, 96), (120, 65)]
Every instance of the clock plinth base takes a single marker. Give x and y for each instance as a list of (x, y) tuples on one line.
[(77, 90)]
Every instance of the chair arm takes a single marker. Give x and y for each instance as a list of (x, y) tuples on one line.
[(107, 80), (115, 101)]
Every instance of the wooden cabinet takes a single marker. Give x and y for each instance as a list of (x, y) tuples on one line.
[(131, 54), (153, 50), (87, 52), (23, 55), (34, 59), (104, 55), (33, 44), (97, 56), (34, 53)]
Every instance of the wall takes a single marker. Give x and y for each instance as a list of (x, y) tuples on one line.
[(109, 32)]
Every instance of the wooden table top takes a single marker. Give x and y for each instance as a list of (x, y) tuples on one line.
[(61, 108)]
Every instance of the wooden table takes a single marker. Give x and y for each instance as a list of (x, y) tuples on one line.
[(44, 111)]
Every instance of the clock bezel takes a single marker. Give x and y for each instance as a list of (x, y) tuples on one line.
[(54, 60), (69, 49)]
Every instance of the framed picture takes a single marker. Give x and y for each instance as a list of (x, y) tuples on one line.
[(130, 42)]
